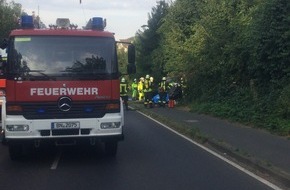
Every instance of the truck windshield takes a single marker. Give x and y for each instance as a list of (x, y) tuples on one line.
[(73, 56)]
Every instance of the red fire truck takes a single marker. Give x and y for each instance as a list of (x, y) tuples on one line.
[(62, 86)]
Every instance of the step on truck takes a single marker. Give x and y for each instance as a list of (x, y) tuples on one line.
[(62, 86)]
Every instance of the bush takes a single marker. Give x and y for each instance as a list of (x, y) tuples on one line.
[(267, 111)]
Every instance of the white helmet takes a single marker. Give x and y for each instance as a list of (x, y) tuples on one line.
[(164, 78), (123, 79), (147, 77)]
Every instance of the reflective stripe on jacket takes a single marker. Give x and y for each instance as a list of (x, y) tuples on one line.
[(123, 89)]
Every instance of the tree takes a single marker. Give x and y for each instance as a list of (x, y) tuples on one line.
[(9, 17), (149, 59), (233, 54), (176, 31), (272, 43)]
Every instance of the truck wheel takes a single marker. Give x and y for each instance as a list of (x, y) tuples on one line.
[(111, 148), (15, 151)]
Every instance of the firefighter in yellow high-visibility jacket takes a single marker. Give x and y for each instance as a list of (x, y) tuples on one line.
[(134, 88), (148, 92), (141, 88)]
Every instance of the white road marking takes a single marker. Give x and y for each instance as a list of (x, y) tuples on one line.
[(56, 160), (269, 184)]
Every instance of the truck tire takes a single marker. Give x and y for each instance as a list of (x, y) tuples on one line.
[(15, 151), (111, 148)]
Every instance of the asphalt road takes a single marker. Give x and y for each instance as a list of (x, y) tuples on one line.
[(151, 157), (260, 144)]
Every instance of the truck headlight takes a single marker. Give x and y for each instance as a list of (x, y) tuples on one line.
[(110, 125), (17, 127)]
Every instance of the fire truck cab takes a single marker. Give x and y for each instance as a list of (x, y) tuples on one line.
[(62, 86)]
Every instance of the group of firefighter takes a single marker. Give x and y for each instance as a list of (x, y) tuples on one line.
[(150, 93)]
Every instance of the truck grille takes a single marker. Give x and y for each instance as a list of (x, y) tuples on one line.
[(66, 132), (51, 111)]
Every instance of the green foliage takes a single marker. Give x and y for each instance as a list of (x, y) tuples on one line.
[(150, 56), (272, 42), (283, 103), (9, 14), (234, 56), (177, 45)]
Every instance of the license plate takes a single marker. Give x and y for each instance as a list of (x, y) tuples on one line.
[(65, 125)]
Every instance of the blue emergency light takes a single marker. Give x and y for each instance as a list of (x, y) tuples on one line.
[(88, 109), (27, 21), (98, 23), (41, 111)]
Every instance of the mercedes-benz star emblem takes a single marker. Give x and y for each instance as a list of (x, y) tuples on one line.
[(65, 103)]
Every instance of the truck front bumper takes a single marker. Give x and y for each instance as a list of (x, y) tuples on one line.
[(109, 126)]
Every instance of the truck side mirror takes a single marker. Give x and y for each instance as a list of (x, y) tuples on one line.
[(131, 54), (131, 67)]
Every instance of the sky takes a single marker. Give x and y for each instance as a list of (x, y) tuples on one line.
[(124, 17)]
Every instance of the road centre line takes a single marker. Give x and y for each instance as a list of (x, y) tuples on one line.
[(269, 184)]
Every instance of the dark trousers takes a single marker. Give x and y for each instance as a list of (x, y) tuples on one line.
[(148, 97), (125, 100), (162, 96)]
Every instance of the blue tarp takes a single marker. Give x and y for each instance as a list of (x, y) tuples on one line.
[(156, 98)]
